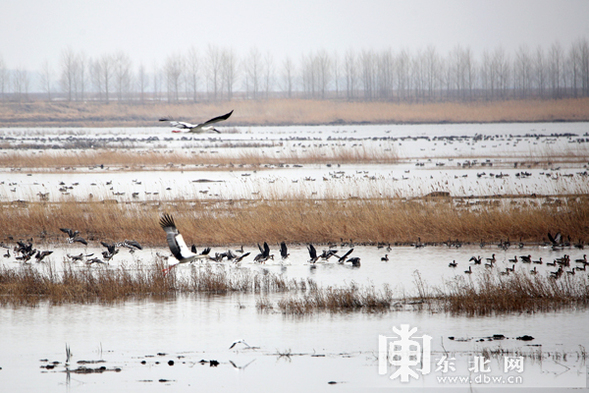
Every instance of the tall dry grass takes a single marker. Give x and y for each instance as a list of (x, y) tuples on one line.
[(296, 220), (290, 111), (518, 292), (486, 294), (28, 284), (181, 160)]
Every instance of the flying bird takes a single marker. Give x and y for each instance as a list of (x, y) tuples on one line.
[(264, 254), (312, 253), (73, 236), (177, 244), (342, 259), (284, 250), (200, 127), (242, 341)]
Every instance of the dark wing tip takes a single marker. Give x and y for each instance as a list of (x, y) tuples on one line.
[(164, 119), (166, 220)]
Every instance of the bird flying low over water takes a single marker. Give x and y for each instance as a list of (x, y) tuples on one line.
[(177, 244), (200, 127), (73, 236)]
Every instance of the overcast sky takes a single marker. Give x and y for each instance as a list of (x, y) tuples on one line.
[(33, 31)]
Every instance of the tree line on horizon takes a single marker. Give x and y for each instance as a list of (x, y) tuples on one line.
[(217, 73)]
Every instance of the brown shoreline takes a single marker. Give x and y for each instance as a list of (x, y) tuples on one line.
[(286, 112)]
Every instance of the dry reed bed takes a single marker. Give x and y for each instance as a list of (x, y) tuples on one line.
[(519, 292), (177, 160), (370, 221), (28, 284), (290, 111), (486, 294)]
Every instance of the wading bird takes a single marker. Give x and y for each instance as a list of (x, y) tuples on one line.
[(200, 127), (176, 243)]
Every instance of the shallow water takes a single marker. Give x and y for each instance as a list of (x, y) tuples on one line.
[(433, 158), (292, 353), (316, 349), (297, 353)]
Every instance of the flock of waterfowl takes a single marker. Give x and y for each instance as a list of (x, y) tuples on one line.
[(562, 262), (183, 254), (24, 250)]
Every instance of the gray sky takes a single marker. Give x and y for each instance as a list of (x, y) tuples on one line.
[(33, 31)]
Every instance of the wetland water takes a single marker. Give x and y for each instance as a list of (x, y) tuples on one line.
[(135, 340)]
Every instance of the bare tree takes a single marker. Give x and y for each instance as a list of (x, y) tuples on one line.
[(385, 70), (253, 73), (309, 75), (122, 75), (522, 71), (555, 69), (288, 73), (268, 68), (324, 68), (229, 71), (102, 74), (46, 78), (584, 55), (80, 75), (500, 72), (142, 82), (402, 74), (368, 73), (157, 82), (336, 73), (192, 75), (350, 74), (540, 72), (68, 72), (213, 71), (575, 67), (173, 72), (4, 79), (431, 71), (105, 74), (21, 83)]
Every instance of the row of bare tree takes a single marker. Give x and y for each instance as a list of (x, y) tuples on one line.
[(219, 74)]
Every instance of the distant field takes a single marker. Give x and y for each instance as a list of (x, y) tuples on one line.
[(288, 112)]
